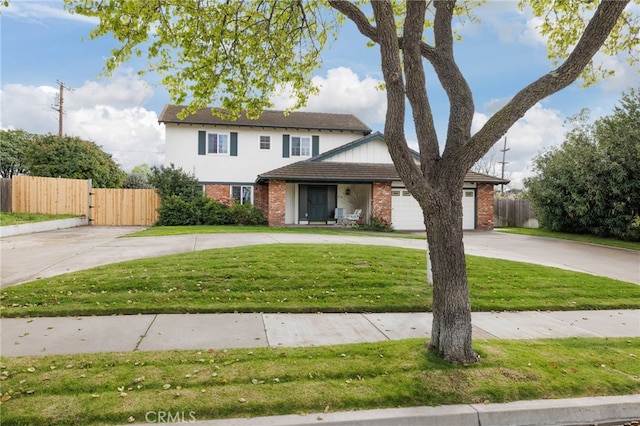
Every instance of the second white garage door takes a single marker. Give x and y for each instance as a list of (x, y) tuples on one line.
[(406, 214)]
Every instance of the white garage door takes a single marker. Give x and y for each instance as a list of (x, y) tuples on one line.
[(406, 214)]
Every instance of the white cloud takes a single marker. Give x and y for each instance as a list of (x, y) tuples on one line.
[(625, 75), (123, 90), (43, 12), (539, 129), (342, 91), (109, 113)]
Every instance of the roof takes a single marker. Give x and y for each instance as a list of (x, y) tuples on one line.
[(311, 171), (314, 171), (482, 178), (269, 119)]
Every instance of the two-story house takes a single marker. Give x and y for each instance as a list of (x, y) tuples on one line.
[(305, 168)]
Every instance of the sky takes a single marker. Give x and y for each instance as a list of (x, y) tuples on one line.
[(42, 46)]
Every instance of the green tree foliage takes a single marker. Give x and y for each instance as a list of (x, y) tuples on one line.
[(138, 178), (169, 181), (136, 181), (142, 169), (13, 144), (591, 183), (239, 54), (73, 158)]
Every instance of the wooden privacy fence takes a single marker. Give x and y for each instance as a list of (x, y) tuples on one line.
[(113, 207), (103, 206), (511, 212), (43, 195)]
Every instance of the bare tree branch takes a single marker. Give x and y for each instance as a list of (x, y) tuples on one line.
[(594, 36), (461, 105), (392, 71), (416, 85), (354, 13)]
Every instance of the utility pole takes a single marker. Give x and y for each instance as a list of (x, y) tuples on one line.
[(59, 106), (503, 162)]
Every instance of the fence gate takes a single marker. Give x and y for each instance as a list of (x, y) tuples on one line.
[(124, 207)]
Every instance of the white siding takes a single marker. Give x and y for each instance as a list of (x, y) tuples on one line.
[(181, 149), (372, 152)]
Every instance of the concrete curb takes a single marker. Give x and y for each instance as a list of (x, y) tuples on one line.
[(50, 225), (575, 411)]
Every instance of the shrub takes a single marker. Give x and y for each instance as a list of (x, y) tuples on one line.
[(216, 213), (376, 224), (170, 181), (176, 211), (136, 181), (247, 214)]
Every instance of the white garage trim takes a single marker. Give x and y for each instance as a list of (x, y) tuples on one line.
[(406, 214)]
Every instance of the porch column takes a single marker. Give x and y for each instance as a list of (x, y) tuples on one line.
[(277, 202), (381, 196), (485, 206)]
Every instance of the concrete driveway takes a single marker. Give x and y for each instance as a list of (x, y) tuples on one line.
[(29, 257)]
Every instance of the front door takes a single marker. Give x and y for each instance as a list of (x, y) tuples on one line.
[(317, 203)]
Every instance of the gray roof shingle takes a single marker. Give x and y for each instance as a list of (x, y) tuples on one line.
[(311, 171), (270, 119)]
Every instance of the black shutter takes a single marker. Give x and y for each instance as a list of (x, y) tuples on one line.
[(285, 146), (315, 145), (202, 142), (234, 144)]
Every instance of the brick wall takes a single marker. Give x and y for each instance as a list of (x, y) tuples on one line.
[(261, 198), (277, 202), (381, 195), (217, 192), (485, 206)]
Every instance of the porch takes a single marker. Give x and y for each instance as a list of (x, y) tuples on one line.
[(326, 204)]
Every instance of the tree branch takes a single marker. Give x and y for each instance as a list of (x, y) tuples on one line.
[(461, 105), (392, 72), (594, 36), (417, 87), (352, 12)]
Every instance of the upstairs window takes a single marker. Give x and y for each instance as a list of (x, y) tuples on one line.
[(217, 143), (300, 146), (265, 143)]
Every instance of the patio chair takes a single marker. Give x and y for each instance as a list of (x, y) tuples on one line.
[(351, 219)]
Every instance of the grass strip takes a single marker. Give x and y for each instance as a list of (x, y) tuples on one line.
[(304, 278), (7, 219), (116, 388), (611, 242), (161, 231)]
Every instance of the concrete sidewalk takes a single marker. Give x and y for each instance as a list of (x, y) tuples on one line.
[(48, 336), (608, 410)]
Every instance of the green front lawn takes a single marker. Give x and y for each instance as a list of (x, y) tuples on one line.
[(121, 388), (22, 218), (159, 231), (304, 278)]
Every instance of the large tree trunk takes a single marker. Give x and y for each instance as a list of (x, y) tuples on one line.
[(451, 329)]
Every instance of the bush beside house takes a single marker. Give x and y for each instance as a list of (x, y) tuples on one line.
[(183, 204)]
